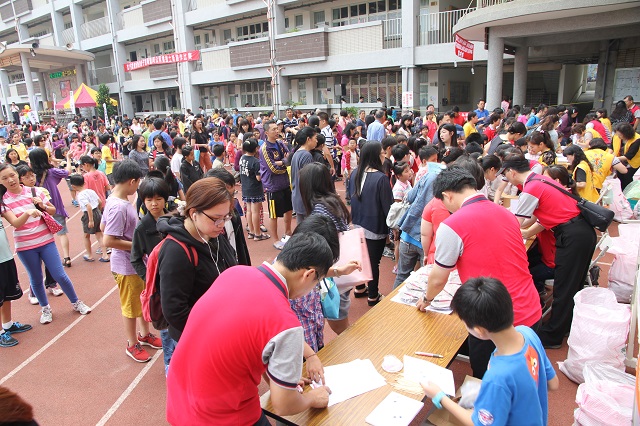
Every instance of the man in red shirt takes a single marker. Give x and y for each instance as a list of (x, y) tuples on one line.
[(494, 249), (634, 109), (248, 329)]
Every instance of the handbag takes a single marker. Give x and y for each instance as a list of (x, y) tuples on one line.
[(353, 246), (52, 224), (597, 216), (396, 214), (329, 298)]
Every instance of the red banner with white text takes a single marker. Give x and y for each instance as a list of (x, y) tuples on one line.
[(464, 48), (171, 58)]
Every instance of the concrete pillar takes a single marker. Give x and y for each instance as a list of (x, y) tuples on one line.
[(44, 93), (23, 32), (411, 84), (520, 66), (284, 86), (4, 86), (57, 23), (603, 96), (278, 18), (77, 19), (81, 76), (28, 78), (295, 96), (189, 94), (494, 72)]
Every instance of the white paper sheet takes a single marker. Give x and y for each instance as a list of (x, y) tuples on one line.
[(395, 410), (418, 370), (351, 379)]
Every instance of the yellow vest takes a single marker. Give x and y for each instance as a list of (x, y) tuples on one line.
[(589, 191), (635, 161), (601, 161), (616, 143), (606, 123), (594, 133)]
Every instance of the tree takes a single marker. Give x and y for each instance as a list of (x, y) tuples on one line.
[(104, 98)]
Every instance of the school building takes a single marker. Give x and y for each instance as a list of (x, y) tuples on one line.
[(167, 55)]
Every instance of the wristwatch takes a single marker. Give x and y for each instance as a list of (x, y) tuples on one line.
[(335, 271), (425, 300)]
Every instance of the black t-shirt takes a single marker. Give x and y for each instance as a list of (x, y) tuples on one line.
[(249, 169), (201, 139)]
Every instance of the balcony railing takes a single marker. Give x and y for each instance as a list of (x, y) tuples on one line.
[(68, 36), (437, 28), (102, 75), (485, 3), (131, 17), (201, 4), (392, 33), (95, 28)]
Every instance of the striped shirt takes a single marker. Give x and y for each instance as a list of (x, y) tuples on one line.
[(34, 233)]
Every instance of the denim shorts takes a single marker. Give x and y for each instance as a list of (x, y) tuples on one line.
[(62, 220)]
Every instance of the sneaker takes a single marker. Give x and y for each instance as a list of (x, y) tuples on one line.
[(75, 203), (108, 250), (279, 245), (79, 306), (150, 340), (6, 341), (262, 228), (56, 291), (138, 353), (32, 299), (99, 251), (387, 252), (18, 328), (46, 317)]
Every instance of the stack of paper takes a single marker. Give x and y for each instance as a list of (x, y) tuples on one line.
[(351, 379), (410, 292), (394, 410), (418, 370)]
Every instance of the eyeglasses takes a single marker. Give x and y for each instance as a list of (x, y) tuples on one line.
[(218, 222)]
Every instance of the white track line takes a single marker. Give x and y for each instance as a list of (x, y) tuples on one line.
[(54, 340), (116, 405)]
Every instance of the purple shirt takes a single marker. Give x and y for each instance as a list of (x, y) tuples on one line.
[(51, 181), (274, 178), (120, 221)]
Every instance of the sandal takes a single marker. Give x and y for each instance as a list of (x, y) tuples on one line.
[(251, 235), (103, 260), (263, 228), (262, 237), (374, 302), (359, 294), (88, 259), (67, 262)]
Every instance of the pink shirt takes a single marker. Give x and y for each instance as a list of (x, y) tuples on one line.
[(34, 233)]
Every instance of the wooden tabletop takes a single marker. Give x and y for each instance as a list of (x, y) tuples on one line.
[(389, 328)]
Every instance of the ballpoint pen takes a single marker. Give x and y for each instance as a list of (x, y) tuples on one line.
[(429, 354)]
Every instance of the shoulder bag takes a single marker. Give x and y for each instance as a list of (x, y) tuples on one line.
[(597, 216), (52, 224)]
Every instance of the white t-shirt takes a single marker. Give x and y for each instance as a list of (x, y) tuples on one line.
[(88, 196), (175, 163)]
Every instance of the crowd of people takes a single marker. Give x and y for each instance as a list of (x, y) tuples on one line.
[(159, 196)]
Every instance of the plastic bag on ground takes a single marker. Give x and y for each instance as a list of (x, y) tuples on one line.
[(606, 396), (598, 332), (622, 274)]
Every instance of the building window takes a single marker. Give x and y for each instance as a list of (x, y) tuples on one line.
[(226, 36), (302, 91), (16, 78), (322, 94), (424, 88), (197, 41), (299, 21), (365, 12), (249, 32), (286, 23), (386, 86), (169, 47), (318, 18), (233, 97), (257, 93), (156, 50)]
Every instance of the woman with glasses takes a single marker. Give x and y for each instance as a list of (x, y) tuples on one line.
[(188, 266)]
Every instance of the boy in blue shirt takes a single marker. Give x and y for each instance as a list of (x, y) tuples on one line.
[(514, 388)]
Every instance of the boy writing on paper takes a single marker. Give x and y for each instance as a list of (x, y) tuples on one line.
[(508, 395)]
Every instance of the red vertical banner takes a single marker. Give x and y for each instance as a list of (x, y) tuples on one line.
[(464, 48)]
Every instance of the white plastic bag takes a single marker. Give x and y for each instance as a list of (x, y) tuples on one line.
[(617, 202), (622, 274), (598, 332), (606, 396)]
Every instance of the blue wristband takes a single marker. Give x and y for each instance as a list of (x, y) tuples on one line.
[(436, 399)]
